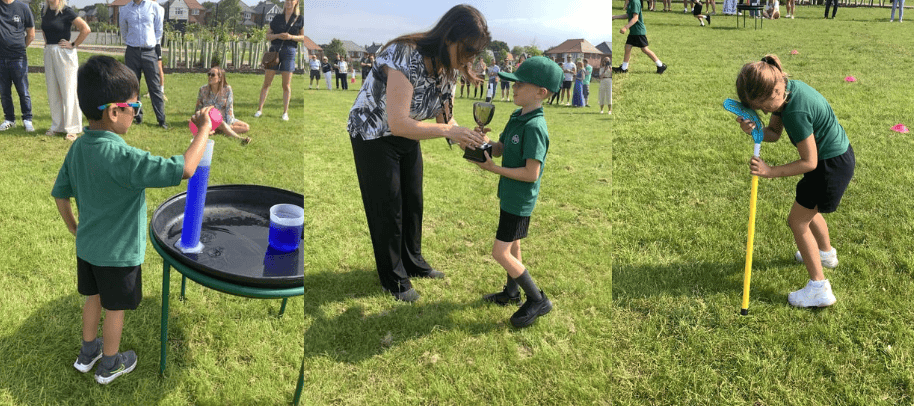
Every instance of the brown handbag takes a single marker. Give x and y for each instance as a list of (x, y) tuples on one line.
[(270, 60)]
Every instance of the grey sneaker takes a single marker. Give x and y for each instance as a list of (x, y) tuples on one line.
[(409, 296), (829, 259), (811, 296), (85, 361), (28, 126), (6, 125), (125, 363)]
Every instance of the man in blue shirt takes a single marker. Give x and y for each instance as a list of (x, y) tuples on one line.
[(17, 30), (141, 26)]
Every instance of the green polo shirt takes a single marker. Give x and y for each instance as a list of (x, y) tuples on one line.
[(589, 70), (525, 136), (808, 113), (634, 7), (109, 178)]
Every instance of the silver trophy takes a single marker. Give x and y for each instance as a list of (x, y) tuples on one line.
[(482, 113)]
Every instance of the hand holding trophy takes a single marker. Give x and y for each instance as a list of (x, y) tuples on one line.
[(482, 113)]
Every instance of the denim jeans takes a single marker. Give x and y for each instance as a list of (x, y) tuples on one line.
[(15, 72)]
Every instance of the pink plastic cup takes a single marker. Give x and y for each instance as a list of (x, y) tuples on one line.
[(215, 116)]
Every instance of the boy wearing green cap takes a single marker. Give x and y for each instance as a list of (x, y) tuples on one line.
[(522, 145)]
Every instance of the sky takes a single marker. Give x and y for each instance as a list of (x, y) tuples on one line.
[(545, 23)]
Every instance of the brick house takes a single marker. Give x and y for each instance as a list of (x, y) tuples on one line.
[(576, 49)]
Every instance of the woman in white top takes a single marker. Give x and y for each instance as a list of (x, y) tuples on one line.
[(772, 10)]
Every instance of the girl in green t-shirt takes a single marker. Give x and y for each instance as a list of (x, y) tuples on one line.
[(826, 163)]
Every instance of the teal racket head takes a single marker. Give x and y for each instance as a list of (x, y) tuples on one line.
[(735, 107)]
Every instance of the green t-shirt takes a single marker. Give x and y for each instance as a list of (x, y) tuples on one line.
[(525, 136), (808, 113), (109, 178), (634, 7), (589, 70)]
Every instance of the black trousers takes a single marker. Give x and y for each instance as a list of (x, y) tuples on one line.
[(342, 77), (389, 170), (833, 3), (144, 61)]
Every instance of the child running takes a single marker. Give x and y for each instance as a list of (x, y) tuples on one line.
[(637, 37), (696, 11), (522, 145), (108, 179), (826, 163)]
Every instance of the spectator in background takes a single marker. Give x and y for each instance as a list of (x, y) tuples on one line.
[(366, 63), (285, 30), (505, 84), (606, 84), (342, 69), (218, 93), (17, 30), (900, 5), (327, 70), (480, 69), (141, 24), (833, 3), (587, 77), (60, 66), (577, 99), (569, 69), (315, 67)]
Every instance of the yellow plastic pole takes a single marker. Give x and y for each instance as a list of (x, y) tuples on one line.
[(748, 272)]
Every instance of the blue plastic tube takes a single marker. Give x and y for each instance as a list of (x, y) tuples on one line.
[(194, 203)]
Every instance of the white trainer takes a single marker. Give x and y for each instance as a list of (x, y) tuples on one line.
[(258, 113), (7, 125), (285, 116), (812, 295), (829, 258), (28, 126)]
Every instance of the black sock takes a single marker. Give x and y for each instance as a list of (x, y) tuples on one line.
[(525, 281), (511, 287)]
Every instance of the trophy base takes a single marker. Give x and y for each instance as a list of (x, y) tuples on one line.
[(477, 154)]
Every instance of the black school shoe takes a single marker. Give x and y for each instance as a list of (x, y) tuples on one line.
[(661, 69), (502, 298), (619, 70), (709, 19), (530, 310), (432, 274)]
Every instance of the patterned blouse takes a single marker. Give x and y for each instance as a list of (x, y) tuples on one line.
[(368, 117), (224, 102)]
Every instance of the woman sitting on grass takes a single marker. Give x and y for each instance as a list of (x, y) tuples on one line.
[(219, 95), (826, 163)]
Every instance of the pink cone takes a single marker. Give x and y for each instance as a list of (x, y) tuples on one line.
[(850, 79), (900, 128), (794, 52)]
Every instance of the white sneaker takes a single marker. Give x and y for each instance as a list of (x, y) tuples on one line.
[(285, 116), (28, 126), (258, 113), (7, 125), (829, 258), (813, 296)]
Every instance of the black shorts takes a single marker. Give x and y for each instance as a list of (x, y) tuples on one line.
[(566, 84), (696, 11), (511, 227), (505, 84), (824, 186), (637, 41), (119, 288), (315, 74)]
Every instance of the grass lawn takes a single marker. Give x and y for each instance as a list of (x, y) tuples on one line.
[(680, 210), (362, 347), (222, 349)]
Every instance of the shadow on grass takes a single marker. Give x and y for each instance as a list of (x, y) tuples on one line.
[(696, 280), (358, 333), (38, 358)]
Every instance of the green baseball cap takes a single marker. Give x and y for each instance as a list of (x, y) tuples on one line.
[(538, 70)]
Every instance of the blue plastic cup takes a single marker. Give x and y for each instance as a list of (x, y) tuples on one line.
[(287, 222)]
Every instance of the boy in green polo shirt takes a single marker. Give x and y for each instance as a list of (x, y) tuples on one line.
[(522, 145), (108, 179), (637, 36)]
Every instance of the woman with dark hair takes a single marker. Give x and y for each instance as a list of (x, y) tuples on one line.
[(412, 80), (218, 93), (285, 30)]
